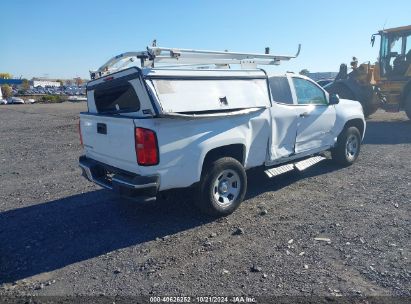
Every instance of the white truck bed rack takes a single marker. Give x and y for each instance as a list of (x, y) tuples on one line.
[(175, 57)]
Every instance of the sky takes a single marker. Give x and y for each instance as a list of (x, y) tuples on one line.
[(65, 39)]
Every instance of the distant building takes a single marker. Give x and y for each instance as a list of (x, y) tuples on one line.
[(74, 82), (322, 75), (45, 83), (11, 82)]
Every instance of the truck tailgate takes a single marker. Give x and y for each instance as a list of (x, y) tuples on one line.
[(109, 139), (107, 128)]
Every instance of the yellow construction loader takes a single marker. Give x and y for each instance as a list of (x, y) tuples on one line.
[(387, 83)]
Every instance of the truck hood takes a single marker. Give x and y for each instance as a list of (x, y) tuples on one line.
[(348, 110), (349, 102)]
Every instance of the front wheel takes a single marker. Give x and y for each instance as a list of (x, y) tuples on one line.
[(348, 147), (222, 187)]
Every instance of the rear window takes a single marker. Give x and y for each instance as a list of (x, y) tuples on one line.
[(118, 96), (280, 90)]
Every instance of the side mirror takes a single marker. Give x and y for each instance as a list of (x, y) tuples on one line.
[(372, 40), (334, 99)]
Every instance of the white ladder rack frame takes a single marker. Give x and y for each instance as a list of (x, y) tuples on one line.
[(189, 57)]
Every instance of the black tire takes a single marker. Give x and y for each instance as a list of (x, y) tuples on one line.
[(370, 105), (219, 172), (407, 105), (341, 90), (371, 102), (343, 153)]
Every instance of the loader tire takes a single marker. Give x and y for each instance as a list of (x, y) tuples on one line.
[(342, 91), (369, 104), (407, 105), (222, 187)]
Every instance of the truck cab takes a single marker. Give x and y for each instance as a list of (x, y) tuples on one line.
[(395, 52)]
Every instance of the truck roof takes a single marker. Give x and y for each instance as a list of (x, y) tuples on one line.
[(181, 74), (224, 73), (396, 29), (202, 73)]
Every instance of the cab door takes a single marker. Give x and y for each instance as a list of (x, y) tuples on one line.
[(316, 118), (284, 119)]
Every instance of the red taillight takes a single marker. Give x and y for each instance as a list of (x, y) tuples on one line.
[(79, 132), (146, 147)]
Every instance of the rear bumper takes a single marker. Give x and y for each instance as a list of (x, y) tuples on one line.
[(127, 184)]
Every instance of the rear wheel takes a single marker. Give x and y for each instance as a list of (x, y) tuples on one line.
[(348, 147), (222, 187)]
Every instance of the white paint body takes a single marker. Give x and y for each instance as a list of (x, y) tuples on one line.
[(2, 101), (269, 132)]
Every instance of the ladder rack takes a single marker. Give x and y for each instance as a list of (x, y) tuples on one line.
[(188, 57)]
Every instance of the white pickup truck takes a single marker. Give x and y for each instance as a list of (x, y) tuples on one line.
[(152, 129)]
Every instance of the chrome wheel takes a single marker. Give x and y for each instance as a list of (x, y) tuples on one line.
[(352, 147), (226, 187)]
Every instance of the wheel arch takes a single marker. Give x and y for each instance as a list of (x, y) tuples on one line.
[(358, 123), (236, 151)]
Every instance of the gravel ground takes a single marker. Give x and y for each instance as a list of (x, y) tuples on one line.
[(62, 235)]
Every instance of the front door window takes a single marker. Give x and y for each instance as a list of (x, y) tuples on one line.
[(308, 93)]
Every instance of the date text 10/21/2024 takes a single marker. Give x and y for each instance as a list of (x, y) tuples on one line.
[(202, 299)]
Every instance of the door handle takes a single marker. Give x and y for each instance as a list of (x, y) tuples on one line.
[(305, 114)]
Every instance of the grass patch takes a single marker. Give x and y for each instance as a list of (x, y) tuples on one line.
[(52, 99)]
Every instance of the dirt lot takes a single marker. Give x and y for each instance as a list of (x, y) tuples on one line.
[(61, 235)]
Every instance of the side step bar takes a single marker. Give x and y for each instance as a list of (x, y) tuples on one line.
[(300, 166)]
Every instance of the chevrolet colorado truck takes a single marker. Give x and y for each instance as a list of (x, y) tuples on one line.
[(152, 129)]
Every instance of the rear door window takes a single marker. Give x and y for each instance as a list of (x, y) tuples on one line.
[(115, 97), (280, 89)]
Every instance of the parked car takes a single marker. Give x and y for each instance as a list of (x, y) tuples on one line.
[(30, 100), (76, 98), (16, 100), (2, 101), (150, 130)]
